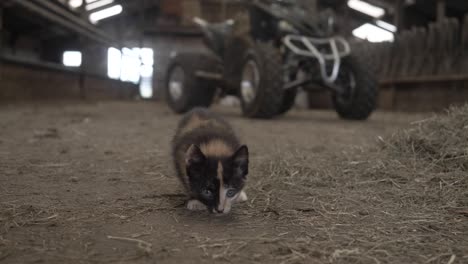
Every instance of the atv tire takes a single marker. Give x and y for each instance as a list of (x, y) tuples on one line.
[(183, 90), (261, 96), (359, 98), (289, 98)]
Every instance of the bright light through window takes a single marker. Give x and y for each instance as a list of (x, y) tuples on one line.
[(386, 26), (373, 33), (366, 8), (146, 72), (75, 3), (146, 88), (98, 4), (147, 56), (132, 65), (114, 63), (72, 58), (105, 13)]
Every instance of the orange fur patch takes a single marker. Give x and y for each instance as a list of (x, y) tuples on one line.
[(222, 191), (216, 148), (220, 173), (194, 122)]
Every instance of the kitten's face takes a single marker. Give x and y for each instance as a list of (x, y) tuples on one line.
[(217, 183)]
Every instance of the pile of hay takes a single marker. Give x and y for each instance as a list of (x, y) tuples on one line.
[(402, 201), (429, 160), (434, 154), (441, 140), (430, 156)]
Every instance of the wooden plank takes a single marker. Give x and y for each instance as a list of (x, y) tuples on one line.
[(422, 79)]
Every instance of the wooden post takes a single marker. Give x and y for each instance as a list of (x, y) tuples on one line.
[(1, 40), (440, 10), (1, 28), (84, 60), (223, 10), (142, 23), (82, 10), (81, 41), (120, 35), (399, 15), (118, 31)]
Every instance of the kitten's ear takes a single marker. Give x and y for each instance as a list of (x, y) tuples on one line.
[(194, 156), (240, 161)]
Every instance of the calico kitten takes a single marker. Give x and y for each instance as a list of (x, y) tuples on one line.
[(210, 161)]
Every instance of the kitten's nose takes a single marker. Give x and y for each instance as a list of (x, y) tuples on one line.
[(220, 211)]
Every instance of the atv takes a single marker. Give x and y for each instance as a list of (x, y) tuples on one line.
[(283, 50)]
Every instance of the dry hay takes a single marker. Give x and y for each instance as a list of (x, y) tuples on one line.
[(441, 140), (403, 201)]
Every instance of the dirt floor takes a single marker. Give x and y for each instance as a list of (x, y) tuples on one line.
[(93, 183)]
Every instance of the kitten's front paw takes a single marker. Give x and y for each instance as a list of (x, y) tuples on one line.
[(242, 197), (195, 205)]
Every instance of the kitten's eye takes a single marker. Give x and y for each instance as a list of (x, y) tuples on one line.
[(230, 193), (207, 193)]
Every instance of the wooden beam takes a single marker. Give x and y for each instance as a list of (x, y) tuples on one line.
[(117, 2), (427, 79), (68, 21)]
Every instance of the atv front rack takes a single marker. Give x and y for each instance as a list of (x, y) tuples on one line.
[(323, 49)]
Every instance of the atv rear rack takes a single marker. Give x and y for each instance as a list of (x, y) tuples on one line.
[(311, 47)]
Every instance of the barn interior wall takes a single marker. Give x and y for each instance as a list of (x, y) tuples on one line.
[(21, 82)]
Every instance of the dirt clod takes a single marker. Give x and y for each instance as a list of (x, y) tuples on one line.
[(74, 179), (47, 133)]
